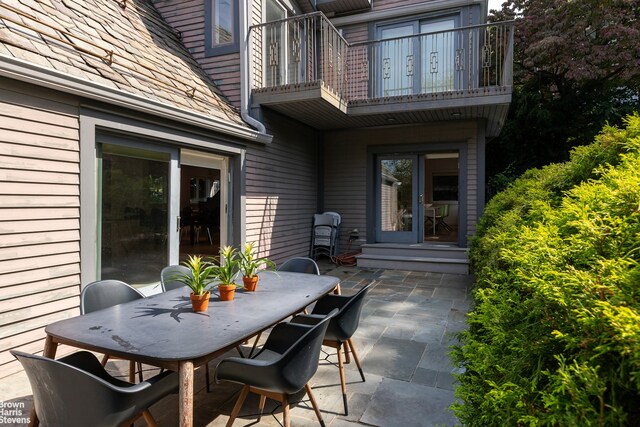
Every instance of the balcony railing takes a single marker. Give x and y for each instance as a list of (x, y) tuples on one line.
[(307, 48), (302, 49)]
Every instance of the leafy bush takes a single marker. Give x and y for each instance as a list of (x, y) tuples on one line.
[(554, 335)]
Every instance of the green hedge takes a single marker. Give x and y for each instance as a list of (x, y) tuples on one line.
[(554, 335)]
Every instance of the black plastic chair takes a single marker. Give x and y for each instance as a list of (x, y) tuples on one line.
[(341, 328), (76, 391), (283, 367), (300, 265), (107, 293), (169, 274), (294, 265)]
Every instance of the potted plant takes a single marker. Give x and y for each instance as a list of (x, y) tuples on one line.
[(199, 281), (250, 263), (226, 270)]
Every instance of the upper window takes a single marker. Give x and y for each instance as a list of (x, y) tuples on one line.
[(415, 57), (221, 23)]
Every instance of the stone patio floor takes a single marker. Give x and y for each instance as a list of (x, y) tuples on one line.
[(407, 324)]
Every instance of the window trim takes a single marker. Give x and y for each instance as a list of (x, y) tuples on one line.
[(210, 49)]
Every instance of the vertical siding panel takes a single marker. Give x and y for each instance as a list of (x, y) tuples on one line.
[(345, 180), (281, 189), (39, 215)]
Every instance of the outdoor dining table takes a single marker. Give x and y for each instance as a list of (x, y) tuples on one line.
[(163, 331)]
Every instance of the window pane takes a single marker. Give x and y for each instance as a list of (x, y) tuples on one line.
[(275, 44), (223, 25), (438, 53), (396, 195), (134, 215), (396, 58)]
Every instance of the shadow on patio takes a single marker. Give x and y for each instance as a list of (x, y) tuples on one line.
[(402, 341)]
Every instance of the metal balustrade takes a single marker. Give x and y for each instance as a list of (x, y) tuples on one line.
[(304, 49)]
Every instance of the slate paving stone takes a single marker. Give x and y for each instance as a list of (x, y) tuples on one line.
[(437, 358), (430, 332), (426, 377), (402, 404), (452, 293), (394, 358)]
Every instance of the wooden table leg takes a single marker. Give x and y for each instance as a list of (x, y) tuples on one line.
[(50, 348), (185, 394)]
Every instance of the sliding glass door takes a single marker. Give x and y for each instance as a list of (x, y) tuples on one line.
[(136, 223)]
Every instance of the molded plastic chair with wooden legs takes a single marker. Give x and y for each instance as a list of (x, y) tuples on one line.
[(169, 275), (341, 328), (303, 265), (300, 265), (104, 294), (76, 391), (283, 367)]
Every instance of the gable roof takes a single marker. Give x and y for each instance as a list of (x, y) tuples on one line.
[(123, 45)]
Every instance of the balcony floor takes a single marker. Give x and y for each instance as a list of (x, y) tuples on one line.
[(402, 341), (319, 107)]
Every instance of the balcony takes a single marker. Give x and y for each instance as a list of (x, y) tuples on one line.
[(303, 68)]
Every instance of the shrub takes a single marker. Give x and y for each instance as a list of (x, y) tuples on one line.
[(554, 335)]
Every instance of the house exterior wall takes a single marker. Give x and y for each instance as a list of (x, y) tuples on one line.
[(188, 17), (39, 215), (282, 188), (345, 167)]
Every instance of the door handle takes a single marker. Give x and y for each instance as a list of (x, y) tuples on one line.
[(420, 199)]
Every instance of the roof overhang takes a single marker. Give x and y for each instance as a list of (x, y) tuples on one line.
[(42, 76)]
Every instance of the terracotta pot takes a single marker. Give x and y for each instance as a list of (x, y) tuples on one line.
[(250, 283), (226, 292), (200, 302)]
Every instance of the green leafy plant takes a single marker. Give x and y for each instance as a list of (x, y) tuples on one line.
[(227, 266), (202, 274), (250, 263), (554, 334)]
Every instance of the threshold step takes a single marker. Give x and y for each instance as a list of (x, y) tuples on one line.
[(433, 265)]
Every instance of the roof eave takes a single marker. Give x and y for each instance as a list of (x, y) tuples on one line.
[(42, 76)]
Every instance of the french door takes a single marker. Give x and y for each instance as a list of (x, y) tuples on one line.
[(399, 191)]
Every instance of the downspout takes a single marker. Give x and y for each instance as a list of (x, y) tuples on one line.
[(245, 87)]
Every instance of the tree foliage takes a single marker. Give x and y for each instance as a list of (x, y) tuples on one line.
[(576, 67), (554, 335)]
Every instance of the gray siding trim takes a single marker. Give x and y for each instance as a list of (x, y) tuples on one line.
[(41, 76)]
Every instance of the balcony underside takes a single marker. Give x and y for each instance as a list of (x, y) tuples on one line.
[(315, 105)]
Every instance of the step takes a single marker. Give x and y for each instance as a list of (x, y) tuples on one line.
[(433, 265), (416, 250)]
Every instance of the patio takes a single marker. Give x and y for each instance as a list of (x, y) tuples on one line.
[(402, 341)]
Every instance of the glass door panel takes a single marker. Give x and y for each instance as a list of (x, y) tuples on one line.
[(275, 44), (398, 194), (437, 56), (395, 67), (134, 214)]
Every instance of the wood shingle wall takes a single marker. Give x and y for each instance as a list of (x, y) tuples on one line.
[(39, 216)]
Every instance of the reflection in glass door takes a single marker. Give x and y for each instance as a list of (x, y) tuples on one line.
[(134, 214), (398, 194), (437, 55)]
